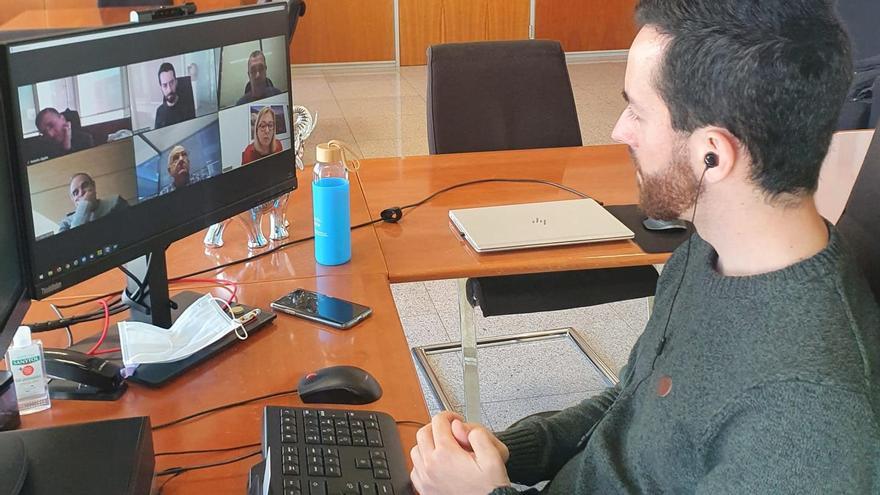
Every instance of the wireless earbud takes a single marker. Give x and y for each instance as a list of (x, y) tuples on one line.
[(711, 160)]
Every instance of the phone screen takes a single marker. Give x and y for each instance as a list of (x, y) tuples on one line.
[(331, 309)]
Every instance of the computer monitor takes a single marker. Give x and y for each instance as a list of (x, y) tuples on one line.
[(13, 296), (125, 139)]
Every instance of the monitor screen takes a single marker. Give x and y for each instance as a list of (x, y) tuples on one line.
[(129, 138)]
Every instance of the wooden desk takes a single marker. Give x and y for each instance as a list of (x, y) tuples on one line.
[(425, 245), (271, 360)]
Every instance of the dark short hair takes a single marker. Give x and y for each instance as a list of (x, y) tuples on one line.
[(165, 67), (43, 113), (772, 72)]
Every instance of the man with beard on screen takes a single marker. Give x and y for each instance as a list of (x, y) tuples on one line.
[(173, 109), (758, 369)]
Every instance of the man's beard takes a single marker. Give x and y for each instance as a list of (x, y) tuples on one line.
[(171, 99), (668, 194)]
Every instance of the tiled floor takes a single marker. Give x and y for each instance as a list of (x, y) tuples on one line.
[(382, 113)]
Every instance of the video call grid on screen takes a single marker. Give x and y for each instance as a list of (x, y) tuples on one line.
[(99, 135)]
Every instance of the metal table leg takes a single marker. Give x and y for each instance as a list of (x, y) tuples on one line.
[(469, 354)]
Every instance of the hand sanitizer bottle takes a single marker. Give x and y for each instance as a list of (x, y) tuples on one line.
[(24, 359)]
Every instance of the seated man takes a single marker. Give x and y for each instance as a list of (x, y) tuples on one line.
[(758, 370), (258, 86), (179, 170), (87, 206), (174, 108), (59, 136)]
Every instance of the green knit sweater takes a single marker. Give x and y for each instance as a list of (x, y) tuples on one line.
[(772, 385)]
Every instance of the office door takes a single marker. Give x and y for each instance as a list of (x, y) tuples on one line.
[(427, 22), (586, 25)]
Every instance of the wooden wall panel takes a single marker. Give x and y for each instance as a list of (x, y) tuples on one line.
[(586, 25), (344, 31), (427, 22)]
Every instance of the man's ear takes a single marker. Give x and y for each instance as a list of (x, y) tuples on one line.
[(724, 146)]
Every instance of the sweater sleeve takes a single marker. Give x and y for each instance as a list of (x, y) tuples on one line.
[(791, 438), (539, 447)]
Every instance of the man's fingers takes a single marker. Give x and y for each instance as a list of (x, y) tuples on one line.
[(460, 430), (484, 447), (425, 440), (442, 429)]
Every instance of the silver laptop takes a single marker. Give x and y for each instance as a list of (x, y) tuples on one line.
[(552, 223)]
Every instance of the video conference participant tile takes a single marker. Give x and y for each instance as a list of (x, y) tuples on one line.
[(253, 71), (71, 114), (174, 157), (255, 130), (73, 190), (172, 90)]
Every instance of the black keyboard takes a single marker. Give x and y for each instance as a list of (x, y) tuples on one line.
[(333, 452)]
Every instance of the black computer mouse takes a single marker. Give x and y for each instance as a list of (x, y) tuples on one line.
[(659, 225), (339, 385)]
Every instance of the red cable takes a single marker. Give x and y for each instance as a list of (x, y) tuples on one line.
[(103, 303)]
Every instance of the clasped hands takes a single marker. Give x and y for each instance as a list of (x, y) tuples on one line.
[(452, 457)]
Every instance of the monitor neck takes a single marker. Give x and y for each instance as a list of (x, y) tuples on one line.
[(147, 290)]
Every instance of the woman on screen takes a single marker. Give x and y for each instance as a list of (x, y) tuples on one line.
[(264, 143)]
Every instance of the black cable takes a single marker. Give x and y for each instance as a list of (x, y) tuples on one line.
[(183, 469), (222, 408), (167, 480), (66, 327), (389, 215), (205, 451), (74, 320)]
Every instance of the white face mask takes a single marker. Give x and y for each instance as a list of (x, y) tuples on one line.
[(202, 324)]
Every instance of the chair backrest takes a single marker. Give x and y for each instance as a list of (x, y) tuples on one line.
[(860, 19), (499, 95), (860, 222)]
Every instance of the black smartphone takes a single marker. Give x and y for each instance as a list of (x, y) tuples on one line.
[(313, 306)]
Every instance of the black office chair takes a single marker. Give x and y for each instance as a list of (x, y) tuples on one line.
[(860, 222), (862, 107), (510, 95)]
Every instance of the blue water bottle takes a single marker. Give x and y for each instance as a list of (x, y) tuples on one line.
[(330, 202)]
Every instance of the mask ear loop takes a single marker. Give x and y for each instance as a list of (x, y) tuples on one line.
[(244, 333)]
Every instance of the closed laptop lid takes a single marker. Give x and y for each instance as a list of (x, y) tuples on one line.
[(497, 228)]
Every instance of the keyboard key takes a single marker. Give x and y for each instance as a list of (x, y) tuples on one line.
[(316, 470), (331, 461), (288, 429), (314, 439), (288, 420), (333, 471), (317, 487), (288, 438), (326, 422), (290, 470), (371, 425), (384, 488), (331, 452), (291, 449), (377, 454), (314, 460), (368, 489), (341, 440), (287, 412), (357, 423), (358, 432), (292, 491), (380, 463), (362, 463), (359, 441), (342, 487), (328, 439), (292, 483), (374, 438), (381, 474)]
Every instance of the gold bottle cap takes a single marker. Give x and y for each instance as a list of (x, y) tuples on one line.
[(328, 153)]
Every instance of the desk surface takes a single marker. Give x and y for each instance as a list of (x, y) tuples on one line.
[(271, 360), (425, 245)]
